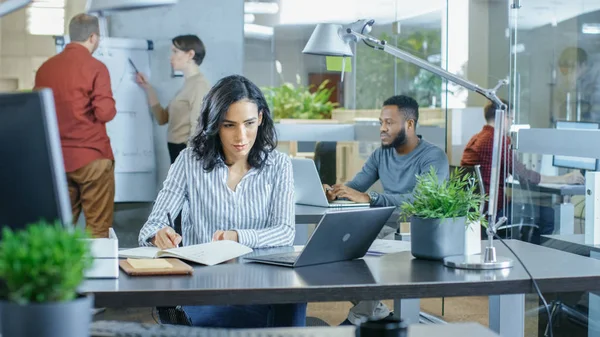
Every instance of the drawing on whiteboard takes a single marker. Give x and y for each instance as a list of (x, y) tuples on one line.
[(131, 131)]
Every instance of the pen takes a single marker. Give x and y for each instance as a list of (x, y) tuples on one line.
[(133, 65), (171, 222)]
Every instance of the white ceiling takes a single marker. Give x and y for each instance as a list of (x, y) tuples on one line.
[(536, 13), (532, 14)]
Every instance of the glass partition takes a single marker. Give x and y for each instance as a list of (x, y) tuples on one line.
[(556, 85), (274, 60)]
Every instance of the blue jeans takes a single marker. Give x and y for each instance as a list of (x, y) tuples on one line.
[(247, 316)]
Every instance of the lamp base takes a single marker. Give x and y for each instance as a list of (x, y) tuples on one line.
[(477, 262)]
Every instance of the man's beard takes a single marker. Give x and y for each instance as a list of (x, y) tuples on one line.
[(398, 141)]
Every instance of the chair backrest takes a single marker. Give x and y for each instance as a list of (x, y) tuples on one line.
[(325, 160), (475, 172)]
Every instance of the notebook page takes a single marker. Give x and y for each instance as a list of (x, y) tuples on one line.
[(209, 253), (140, 253)]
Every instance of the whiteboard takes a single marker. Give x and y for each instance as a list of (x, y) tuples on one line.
[(131, 131)]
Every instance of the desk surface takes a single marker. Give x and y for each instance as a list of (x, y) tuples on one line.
[(551, 188), (572, 243), (390, 276)]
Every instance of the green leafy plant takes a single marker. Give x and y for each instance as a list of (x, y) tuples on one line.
[(43, 263), (452, 198), (297, 102)]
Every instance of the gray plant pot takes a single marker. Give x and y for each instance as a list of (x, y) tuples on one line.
[(64, 319), (435, 239)]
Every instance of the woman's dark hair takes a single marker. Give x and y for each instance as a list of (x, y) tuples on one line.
[(206, 143), (191, 42)]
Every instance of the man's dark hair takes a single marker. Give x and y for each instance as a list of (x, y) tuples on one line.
[(406, 105), (191, 42), (206, 143), (489, 112)]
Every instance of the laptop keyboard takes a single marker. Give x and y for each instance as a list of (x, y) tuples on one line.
[(287, 257)]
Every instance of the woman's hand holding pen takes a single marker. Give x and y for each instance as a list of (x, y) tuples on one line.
[(142, 80), (166, 238)]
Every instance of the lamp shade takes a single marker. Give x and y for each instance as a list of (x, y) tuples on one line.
[(327, 39)]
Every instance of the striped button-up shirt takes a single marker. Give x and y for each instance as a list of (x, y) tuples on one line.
[(261, 209)]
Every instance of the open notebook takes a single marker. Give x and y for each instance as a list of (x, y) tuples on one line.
[(206, 253)]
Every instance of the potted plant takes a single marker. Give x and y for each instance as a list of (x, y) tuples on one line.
[(440, 212), (290, 101), (41, 267)]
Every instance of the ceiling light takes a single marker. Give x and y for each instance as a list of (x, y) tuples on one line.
[(590, 28), (249, 18), (261, 8), (257, 31)]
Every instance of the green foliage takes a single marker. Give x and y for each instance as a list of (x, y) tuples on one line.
[(289, 101), (452, 198), (381, 75), (43, 263)]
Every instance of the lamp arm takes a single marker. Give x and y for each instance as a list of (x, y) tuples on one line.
[(488, 93), (405, 56)]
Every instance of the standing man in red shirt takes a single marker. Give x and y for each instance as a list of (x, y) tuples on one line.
[(84, 104)]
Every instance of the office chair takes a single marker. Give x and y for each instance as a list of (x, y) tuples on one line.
[(325, 161)]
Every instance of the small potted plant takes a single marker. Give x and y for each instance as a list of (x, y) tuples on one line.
[(440, 212), (41, 267)]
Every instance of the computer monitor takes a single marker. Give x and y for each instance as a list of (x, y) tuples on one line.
[(589, 164), (33, 183)]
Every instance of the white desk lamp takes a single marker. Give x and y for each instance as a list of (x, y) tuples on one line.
[(334, 40)]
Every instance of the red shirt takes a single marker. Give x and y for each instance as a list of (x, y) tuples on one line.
[(84, 104), (479, 152)]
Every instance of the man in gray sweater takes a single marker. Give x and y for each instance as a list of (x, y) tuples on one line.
[(402, 156)]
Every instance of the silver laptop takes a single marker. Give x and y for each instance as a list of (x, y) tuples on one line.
[(309, 189), (340, 236)]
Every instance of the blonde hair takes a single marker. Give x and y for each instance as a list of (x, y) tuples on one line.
[(82, 26)]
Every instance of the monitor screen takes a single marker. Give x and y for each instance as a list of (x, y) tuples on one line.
[(34, 185), (589, 164)]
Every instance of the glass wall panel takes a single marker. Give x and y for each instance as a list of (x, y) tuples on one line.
[(556, 85)]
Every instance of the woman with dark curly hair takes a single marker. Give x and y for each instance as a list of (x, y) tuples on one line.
[(230, 184)]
